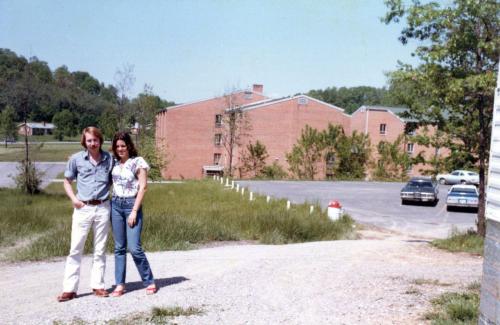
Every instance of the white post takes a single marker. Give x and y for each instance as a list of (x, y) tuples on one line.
[(251, 196), (222, 181), (237, 187), (268, 198), (232, 184), (227, 181), (288, 205), (213, 177), (242, 191), (311, 209)]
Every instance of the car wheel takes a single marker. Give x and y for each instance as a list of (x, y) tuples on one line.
[(448, 208), (442, 181), (403, 202), (463, 182)]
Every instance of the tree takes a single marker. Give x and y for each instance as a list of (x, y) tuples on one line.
[(125, 80), (108, 123), (65, 124), (455, 81), (254, 158), (8, 129), (353, 153), (236, 125), (306, 154), (393, 161)]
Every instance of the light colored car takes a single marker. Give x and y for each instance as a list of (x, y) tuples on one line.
[(459, 177), (465, 196)]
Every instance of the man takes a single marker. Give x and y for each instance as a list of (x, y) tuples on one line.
[(91, 168)]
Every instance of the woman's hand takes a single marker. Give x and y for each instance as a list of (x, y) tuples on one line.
[(132, 219)]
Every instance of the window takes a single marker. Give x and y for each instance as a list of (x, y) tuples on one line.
[(382, 128), (218, 139), (409, 148), (217, 157), (218, 120)]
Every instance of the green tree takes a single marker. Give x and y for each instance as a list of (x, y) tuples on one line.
[(108, 122), (254, 158), (306, 154), (454, 84), (273, 171), (353, 153), (393, 161), (65, 124), (8, 128)]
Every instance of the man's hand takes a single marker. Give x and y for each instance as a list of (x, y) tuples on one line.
[(132, 219), (78, 204)]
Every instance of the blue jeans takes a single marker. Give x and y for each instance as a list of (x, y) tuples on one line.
[(125, 236)]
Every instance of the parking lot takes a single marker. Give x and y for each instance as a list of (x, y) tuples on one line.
[(375, 203)]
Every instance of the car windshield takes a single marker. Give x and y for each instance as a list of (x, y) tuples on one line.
[(473, 174), (464, 190), (420, 184)]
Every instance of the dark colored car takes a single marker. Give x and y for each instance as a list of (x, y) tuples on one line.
[(420, 189)]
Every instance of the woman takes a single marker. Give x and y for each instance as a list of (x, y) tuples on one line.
[(129, 186)]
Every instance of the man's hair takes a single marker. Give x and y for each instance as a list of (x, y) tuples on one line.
[(125, 137), (95, 132)]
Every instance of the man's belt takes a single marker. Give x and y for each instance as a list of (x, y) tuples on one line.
[(94, 202)]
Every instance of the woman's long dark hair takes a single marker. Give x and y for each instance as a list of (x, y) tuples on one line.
[(125, 137)]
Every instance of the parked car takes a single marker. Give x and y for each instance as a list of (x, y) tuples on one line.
[(420, 189), (465, 196), (459, 177)]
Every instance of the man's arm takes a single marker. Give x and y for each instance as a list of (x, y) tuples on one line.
[(69, 192)]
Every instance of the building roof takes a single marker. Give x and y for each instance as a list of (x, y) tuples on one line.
[(284, 99), (399, 112), (38, 125)]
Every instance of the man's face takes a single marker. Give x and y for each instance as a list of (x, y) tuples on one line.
[(92, 142)]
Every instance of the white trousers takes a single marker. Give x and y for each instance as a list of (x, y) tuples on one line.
[(85, 218)]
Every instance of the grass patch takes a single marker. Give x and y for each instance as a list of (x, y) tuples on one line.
[(468, 241), (40, 152), (157, 315), (456, 307), (435, 282), (177, 216)]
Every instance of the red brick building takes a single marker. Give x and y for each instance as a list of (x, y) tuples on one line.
[(194, 132)]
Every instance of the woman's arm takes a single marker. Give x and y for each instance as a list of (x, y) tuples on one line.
[(142, 176)]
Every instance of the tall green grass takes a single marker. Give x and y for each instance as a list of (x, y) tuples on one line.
[(468, 241), (176, 216)]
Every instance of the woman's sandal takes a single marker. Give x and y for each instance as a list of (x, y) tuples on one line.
[(151, 290), (118, 292)]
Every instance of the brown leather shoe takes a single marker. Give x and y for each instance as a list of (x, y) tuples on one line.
[(100, 293), (66, 296)]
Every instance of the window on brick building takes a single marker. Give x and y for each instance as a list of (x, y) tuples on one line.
[(218, 139), (382, 128), (217, 157), (409, 148), (218, 120)]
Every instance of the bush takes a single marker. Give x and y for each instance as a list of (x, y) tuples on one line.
[(274, 171), (28, 178)]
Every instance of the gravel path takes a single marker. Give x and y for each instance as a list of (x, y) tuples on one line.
[(367, 281)]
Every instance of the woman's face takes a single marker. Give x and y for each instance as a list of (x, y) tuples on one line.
[(122, 150)]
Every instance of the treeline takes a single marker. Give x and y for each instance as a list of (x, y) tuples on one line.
[(72, 100), (352, 98)]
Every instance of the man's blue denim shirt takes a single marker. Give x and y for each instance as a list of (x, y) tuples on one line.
[(92, 182)]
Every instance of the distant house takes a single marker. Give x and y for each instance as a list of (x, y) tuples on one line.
[(35, 128)]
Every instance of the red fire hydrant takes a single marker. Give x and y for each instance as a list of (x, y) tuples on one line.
[(334, 210)]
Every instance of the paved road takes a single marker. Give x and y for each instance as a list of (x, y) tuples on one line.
[(374, 203), (49, 170)]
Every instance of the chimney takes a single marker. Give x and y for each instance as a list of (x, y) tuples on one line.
[(258, 88)]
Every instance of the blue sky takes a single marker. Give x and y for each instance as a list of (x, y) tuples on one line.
[(189, 50)]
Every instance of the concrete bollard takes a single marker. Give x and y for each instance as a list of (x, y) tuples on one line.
[(288, 205), (251, 196), (242, 191), (311, 209), (268, 198)]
